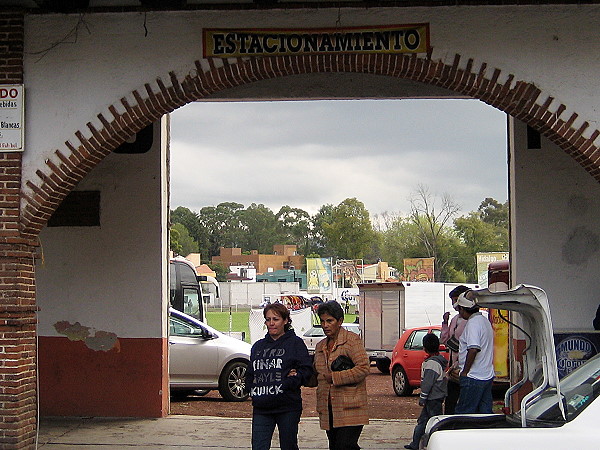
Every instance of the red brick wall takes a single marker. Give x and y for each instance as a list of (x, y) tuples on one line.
[(17, 287), (520, 99)]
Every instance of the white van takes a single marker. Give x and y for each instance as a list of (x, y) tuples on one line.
[(553, 415)]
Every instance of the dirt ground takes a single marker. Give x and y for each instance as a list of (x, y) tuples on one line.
[(383, 402)]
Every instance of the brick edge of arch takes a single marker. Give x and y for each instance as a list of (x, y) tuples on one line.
[(514, 97)]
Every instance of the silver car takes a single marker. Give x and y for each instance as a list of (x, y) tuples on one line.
[(316, 334), (202, 359)]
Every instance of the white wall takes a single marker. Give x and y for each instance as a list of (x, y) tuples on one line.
[(113, 277), (555, 230), (252, 293)]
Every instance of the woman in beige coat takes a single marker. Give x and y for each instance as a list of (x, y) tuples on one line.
[(341, 395)]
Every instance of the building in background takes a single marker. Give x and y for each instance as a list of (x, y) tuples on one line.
[(245, 273), (283, 257), (380, 272), (284, 276), (201, 269)]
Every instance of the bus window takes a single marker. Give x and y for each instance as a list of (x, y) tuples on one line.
[(188, 275), (185, 294), (191, 304)]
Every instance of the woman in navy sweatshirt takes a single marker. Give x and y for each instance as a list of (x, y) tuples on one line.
[(279, 366)]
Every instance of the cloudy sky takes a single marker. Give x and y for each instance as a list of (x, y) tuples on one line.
[(310, 153)]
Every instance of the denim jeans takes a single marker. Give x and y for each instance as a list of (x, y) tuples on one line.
[(475, 396), (451, 398), (263, 426), (431, 408)]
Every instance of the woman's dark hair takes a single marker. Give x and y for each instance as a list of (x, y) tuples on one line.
[(333, 308), (280, 310)]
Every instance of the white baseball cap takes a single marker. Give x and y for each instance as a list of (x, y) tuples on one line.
[(464, 301)]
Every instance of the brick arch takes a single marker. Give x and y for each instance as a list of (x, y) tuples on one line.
[(514, 97)]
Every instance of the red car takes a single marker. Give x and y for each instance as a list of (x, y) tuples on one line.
[(407, 357)]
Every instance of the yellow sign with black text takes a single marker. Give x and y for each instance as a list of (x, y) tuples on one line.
[(233, 43)]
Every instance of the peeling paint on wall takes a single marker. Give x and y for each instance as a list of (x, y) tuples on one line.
[(100, 340), (579, 247)]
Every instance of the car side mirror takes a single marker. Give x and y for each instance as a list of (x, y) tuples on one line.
[(207, 335), (443, 348)]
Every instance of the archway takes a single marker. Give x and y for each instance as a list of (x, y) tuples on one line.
[(515, 97)]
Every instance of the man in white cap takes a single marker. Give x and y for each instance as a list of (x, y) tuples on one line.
[(475, 359)]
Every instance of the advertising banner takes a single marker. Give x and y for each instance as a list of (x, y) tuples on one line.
[(11, 118), (501, 335), (418, 269), (238, 42), (573, 349), (483, 259), (500, 326), (319, 276)]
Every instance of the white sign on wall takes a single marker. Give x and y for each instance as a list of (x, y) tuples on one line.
[(11, 118)]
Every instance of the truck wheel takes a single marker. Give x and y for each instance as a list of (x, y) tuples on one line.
[(383, 365), (232, 382), (400, 382)]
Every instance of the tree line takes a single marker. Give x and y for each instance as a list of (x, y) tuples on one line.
[(432, 228)]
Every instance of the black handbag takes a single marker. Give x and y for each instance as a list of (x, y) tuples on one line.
[(453, 344), (342, 362)]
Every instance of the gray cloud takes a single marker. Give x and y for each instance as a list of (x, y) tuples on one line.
[(306, 154)]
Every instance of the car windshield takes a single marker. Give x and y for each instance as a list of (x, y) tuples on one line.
[(578, 389), (315, 332)]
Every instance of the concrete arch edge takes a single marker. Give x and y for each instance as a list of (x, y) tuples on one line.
[(521, 99)]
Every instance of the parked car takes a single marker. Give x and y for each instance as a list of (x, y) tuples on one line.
[(316, 334), (407, 357), (202, 359), (548, 415)]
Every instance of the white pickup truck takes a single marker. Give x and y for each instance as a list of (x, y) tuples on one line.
[(552, 415)]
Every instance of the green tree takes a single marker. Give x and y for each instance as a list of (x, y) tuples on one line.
[(295, 227), (223, 226), (484, 230), (174, 244), (399, 242), (431, 217), (220, 270), (260, 227), (349, 231), (319, 243), (188, 219), (185, 244), (191, 221), (494, 212)]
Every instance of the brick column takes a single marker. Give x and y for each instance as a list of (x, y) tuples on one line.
[(18, 393)]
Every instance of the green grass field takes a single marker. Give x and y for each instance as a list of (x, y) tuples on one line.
[(239, 321), (221, 321)]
